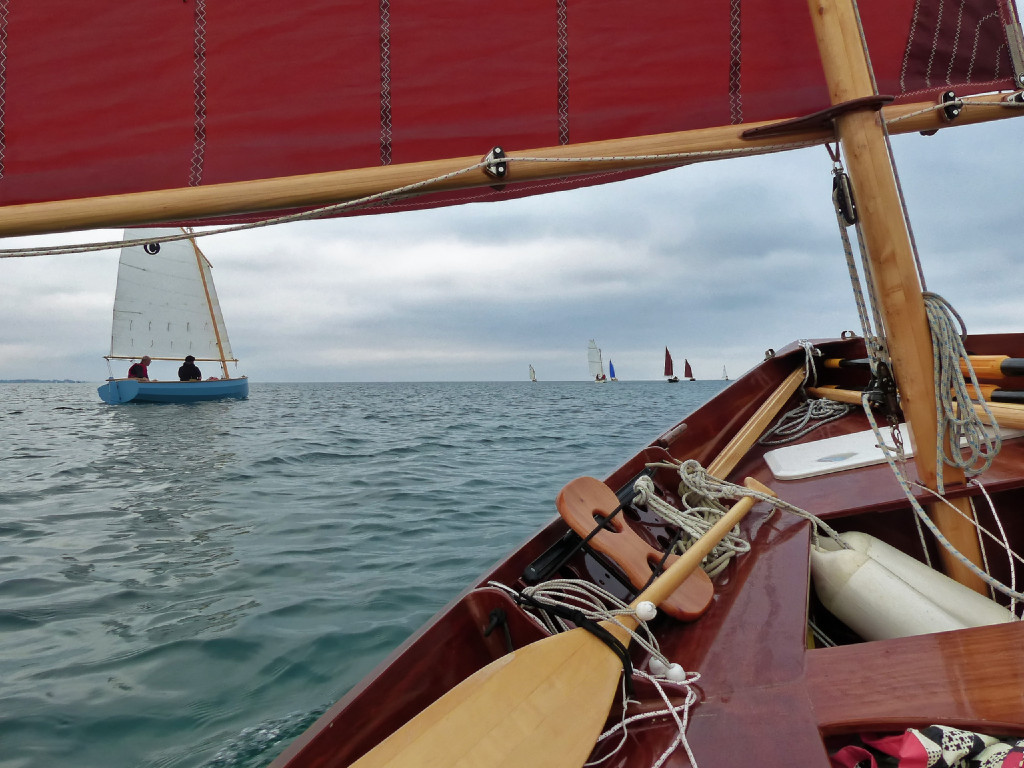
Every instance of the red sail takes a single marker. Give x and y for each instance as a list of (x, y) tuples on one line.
[(109, 97), (687, 371), (668, 363)]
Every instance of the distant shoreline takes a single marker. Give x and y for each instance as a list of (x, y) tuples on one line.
[(41, 381)]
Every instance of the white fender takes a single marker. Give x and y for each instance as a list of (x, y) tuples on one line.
[(972, 608), (896, 599)]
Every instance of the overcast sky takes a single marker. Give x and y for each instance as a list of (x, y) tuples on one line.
[(717, 261)]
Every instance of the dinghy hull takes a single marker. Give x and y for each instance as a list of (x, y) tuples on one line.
[(118, 391)]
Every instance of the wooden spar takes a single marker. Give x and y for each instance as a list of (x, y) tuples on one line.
[(320, 189), (1009, 415), (742, 441), (209, 305), (896, 283)]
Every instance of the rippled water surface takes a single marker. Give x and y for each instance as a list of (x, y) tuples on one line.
[(192, 585)]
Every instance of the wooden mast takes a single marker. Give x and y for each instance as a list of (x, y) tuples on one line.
[(887, 241), (209, 305)]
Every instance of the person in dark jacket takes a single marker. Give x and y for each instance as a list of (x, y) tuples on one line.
[(189, 371), (140, 370)]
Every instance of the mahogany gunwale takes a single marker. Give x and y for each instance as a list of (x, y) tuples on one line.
[(761, 691)]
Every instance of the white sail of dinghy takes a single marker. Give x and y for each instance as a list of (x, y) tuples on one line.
[(166, 305), (594, 362)]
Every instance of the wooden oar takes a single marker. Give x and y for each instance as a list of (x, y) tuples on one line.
[(1007, 414), (991, 368), (994, 367), (995, 394), (990, 393), (541, 706)]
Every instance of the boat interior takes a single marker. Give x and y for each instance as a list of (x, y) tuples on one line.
[(764, 643)]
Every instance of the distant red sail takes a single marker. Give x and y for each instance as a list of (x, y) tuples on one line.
[(668, 363), (110, 97), (687, 371)]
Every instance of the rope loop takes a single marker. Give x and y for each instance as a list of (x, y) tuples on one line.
[(963, 441)]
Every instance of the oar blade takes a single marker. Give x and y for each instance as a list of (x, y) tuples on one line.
[(543, 705)]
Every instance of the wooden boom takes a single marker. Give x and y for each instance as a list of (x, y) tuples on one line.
[(335, 187)]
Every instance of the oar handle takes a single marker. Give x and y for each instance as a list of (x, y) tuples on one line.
[(691, 559), (991, 367)]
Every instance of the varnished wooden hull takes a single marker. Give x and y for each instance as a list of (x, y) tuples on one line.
[(765, 697)]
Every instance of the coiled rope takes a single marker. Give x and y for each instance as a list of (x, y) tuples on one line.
[(811, 413), (704, 492), (962, 440), (696, 518)]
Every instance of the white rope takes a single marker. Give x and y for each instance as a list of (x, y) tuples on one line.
[(907, 486), (1004, 541), (695, 520), (696, 480), (954, 426), (594, 602), (672, 710), (597, 604), (803, 420), (948, 351), (810, 367), (811, 413)]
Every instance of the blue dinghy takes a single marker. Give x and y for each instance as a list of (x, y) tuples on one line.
[(166, 308), (117, 391)]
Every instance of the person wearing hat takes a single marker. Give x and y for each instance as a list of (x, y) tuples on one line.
[(189, 371)]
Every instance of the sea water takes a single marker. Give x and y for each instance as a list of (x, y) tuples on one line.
[(193, 585)]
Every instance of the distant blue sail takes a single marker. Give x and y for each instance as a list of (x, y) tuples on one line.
[(611, 370)]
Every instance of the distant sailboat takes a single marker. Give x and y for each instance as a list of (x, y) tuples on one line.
[(166, 307), (611, 371), (533, 375), (687, 371), (725, 376), (594, 362), (672, 378)]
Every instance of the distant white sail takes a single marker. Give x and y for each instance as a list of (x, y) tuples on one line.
[(166, 305), (594, 360), (533, 374)]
